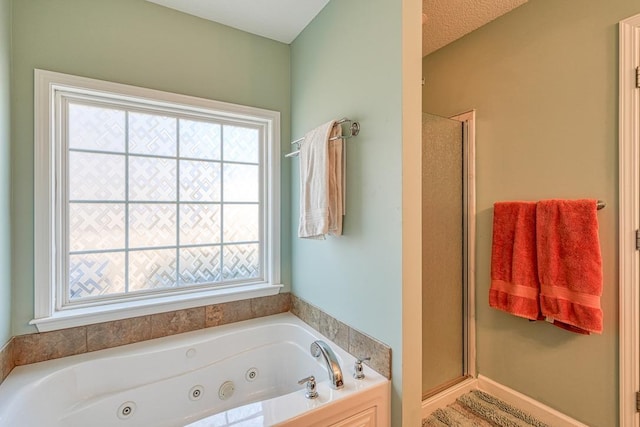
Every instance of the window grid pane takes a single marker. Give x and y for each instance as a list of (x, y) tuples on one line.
[(152, 134), (200, 265), (96, 226), (240, 262), (200, 224), (96, 128), (152, 225), (199, 181), (152, 179), (199, 140), (94, 176), (171, 181), (92, 275), (152, 269)]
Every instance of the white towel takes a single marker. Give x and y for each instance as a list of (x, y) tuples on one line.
[(321, 183)]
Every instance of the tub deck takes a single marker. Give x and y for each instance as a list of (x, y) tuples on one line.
[(244, 373)]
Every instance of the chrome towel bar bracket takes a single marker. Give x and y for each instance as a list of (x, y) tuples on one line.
[(354, 130)]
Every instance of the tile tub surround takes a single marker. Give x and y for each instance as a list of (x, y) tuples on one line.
[(6, 360), (39, 347), (351, 340)]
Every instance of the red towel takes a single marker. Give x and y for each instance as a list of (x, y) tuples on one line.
[(569, 264), (514, 277)]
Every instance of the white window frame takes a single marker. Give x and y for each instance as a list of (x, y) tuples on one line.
[(48, 314)]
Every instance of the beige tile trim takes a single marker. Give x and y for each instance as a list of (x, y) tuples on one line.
[(6, 360), (351, 340), (38, 347)]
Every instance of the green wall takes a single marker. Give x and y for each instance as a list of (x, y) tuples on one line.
[(543, 79), (139, 43), (347, 62), (5, 171)]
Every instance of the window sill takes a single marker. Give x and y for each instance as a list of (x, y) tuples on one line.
[(85, 316)]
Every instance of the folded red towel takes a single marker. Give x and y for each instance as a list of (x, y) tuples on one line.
[(514, 277), (570, 264)]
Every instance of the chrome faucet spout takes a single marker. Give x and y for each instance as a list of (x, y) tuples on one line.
[(319, 348)]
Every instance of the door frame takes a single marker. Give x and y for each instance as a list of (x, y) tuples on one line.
[(629, 211), (468, 120)]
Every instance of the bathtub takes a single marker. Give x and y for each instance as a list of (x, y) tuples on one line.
[(242, 374)]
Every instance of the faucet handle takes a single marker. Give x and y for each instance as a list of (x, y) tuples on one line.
[(358, 371), (311, 387)]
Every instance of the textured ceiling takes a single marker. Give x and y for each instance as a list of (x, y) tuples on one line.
[(447, 20)]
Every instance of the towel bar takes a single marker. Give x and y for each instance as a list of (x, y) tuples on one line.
[(354, 130)]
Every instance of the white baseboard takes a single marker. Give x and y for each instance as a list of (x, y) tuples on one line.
[(447, 396), (543, 412)]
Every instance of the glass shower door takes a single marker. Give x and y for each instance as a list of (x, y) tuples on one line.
[(443, 248)]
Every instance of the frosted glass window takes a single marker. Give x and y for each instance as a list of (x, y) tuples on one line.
[(241, 222), (96, 274), (152, 134), (200, 265), (152, 179), (96, 176), (152, 225), (200, 224), (159, 201), (199, 181), (148, 201), (200, 140), (96, 128), (96, 226), (152, 269), (241, 144), (241, 183), (240, 262)]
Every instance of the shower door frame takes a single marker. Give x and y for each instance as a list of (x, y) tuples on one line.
[(469, 223)]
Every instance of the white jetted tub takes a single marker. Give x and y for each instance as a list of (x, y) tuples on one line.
[(242, 374)]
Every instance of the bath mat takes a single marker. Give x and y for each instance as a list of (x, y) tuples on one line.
[(480, 409)]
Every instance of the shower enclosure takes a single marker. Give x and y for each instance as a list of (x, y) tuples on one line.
[(447, 199)]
